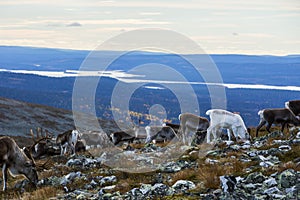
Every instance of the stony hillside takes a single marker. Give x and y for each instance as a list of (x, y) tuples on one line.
[(268, 167)]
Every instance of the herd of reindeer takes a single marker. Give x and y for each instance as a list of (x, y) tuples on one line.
[(21, 161)]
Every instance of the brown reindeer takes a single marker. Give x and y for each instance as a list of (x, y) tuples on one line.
[(14, 160), (281, 116)]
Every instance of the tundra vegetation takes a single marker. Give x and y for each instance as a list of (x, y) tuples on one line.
[(85, 176)]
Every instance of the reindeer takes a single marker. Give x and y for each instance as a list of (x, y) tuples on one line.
[(159, 133), (14, 160), (120, 136), (175, 127), (67, 139), (41, 146), (190, 124), (294, 106), (80, 145), (281, 116), (223, 119)]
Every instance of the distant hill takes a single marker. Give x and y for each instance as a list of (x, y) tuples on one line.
[(17, 118), (234, 69)]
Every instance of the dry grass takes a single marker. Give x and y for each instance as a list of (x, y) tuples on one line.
[(291, 155), (42, 193), (128, 181), (209, 175), (289, 165), (186, 174)]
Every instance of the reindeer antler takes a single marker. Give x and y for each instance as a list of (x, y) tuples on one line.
[(38, 139)]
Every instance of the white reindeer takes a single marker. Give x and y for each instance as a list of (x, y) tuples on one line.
[(14, 160), (67, 139), (222, 119)]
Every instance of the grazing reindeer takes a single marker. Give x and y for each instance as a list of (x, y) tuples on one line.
[(175, 127), (223, 119), (190, 124), (281, 116), (67, 139), (40, 146), (294, 106), (119, 136), (14, 160), (159, 133)]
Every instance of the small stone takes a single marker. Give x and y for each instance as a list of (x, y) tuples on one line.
[(81, 197), (256, 177), (252, 154), (212, 153), (235, 147), (273, 151), (278, 196), (161, 190), (287, 178), (108, 189), (211, 161), (266, 164), (298, 135), (260, 197), (284, 148), (69, 177), (271, 190), (270, 182), (93, 183), (108, 180), (228, 183), (257, 144), (291, 192), (73, 162), (145, 188), (183, 185)]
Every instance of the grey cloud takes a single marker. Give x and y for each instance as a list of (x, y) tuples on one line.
[(75, 24)]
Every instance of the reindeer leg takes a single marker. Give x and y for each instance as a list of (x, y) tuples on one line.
[(229, 131), (208, 134), (214, 132), (269, 126), (73, 149), (4, 172), (261, 124), (61, 149), (283, 125)]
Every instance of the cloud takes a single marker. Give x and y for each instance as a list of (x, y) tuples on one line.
[(125, 21), (74, 24), (150, 13)]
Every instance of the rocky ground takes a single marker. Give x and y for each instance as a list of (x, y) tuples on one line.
[(266, 168)]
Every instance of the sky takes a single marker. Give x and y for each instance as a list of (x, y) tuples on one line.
[(269, 27)]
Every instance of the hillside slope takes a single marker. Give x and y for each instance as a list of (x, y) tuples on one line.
[(17, 118)]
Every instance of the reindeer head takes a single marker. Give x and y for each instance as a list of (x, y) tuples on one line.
[(29, 170), (28, 167)]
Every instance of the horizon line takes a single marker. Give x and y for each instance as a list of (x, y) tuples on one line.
[(146, 51)]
